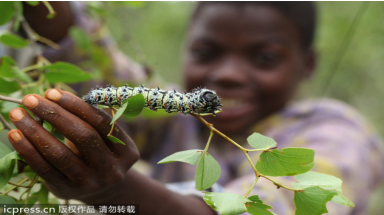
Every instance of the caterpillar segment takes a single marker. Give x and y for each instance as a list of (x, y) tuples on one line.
[(199, 101)]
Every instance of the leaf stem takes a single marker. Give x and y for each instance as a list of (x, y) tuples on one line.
[(47, 42), (33, 182), (280, 185), (33, 67), (16, 185), (30, 34), (52, 13), (210, 126), (20, 181), (209, 141), (253, 166), (253, 185), (5, 123), (113, 125)]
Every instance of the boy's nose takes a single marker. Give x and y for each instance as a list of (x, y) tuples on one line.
[(230, 73)]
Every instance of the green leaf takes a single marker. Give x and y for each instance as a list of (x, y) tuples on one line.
[(257, 207), (226, 203), (135, 105), (190, 156), (312, 201), (7, 164), (7, 200), (1, 126), (115, 140), (287, 162), (8, 86), (102, 106), (58, 135), (80, 38), (207, 172), (160, 113), (120, 111), (324, 181), (33, 3), (13, 40), (7, 9), (47, 126), (65, 72), (7, 67), (43, 194), (261, 142), (4, 150), (29, 172), (28, 203)]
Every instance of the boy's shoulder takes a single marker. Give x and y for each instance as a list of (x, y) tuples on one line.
[(324, 109)]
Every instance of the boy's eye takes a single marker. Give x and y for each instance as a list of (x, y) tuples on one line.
[(265, 60), (204, 54)]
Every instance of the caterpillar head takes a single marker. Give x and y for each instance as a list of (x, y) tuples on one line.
[(210, 100)]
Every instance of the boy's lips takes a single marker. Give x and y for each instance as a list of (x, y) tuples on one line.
[(234, 108)]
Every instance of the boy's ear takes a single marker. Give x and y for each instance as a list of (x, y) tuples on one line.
[(310, 62)]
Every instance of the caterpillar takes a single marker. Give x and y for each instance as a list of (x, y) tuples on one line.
[(200, 101)]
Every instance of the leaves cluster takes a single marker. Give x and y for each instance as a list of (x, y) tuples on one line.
[(16, 82), (312, 192)]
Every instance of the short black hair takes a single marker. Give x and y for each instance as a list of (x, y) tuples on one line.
[(301, 13)]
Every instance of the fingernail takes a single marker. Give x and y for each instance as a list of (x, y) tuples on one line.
[(15, 136), (53, 95), (30, 101), (16, 114)]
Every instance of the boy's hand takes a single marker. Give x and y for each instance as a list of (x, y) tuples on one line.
[(97, 173)]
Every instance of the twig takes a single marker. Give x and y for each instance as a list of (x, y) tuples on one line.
[(19, 101), (9, 99), (5, 123), (253, 166), (33, 67), (250, 189), (209, 141), (18, 185), (210, 126), (47, 42), (113, 125), (52, 13), (19, 182), (245, 151), (30, 34), (280, 185)]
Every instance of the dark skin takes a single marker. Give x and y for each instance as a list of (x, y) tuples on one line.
[(249, 58), (54, 29), (101, 175)]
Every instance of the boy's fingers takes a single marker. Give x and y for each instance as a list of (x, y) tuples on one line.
[(86, 139), (59, 155), (37, 163), (99, 119)]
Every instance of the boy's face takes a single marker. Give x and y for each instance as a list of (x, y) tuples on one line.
[(251, 56)]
